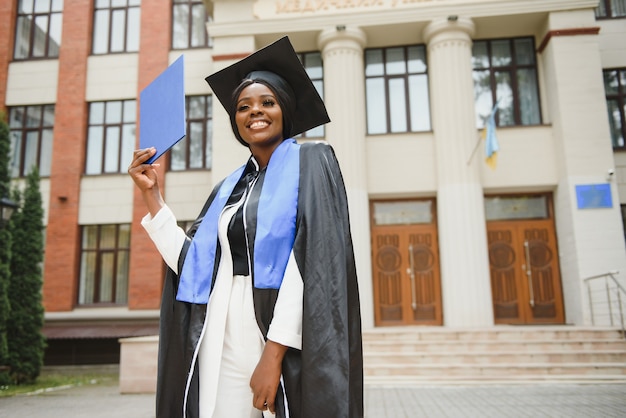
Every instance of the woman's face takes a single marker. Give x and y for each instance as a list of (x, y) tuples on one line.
[(259, 118)]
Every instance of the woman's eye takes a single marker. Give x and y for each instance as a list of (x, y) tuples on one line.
[(269, 103), (242, 108)]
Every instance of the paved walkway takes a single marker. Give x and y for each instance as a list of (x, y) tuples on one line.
[(539, 400), (548, 400)]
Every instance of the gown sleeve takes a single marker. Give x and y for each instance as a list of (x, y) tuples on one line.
[(167, 236), (327, 381), (286, 325)]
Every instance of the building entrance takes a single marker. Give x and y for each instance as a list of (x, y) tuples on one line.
[(523, 260), (405, 263)]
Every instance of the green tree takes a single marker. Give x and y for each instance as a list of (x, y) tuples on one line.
[(25, 340), (5, 249)]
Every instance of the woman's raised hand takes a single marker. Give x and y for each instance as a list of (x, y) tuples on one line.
[(146, 178), (144, 175)]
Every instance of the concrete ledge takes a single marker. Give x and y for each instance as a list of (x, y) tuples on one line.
[(138, 364)]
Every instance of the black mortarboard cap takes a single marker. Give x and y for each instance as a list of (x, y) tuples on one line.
[(281, 59)]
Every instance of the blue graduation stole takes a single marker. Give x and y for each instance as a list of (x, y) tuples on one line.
[(275, 229)]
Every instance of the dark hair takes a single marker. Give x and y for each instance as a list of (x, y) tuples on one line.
[(284, 96)]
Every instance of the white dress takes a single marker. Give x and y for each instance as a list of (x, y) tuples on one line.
[(231, 342)]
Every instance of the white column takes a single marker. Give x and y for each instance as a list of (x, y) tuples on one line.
[(344, 95), (465, 280)]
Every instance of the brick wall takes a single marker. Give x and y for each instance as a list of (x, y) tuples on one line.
[(8, 9), (62, 238), (62, 261), (146, 267)]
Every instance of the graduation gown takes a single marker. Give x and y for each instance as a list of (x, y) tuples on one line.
[(325, 378)]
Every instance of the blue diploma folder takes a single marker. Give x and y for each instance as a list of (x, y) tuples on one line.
[(162, 110)]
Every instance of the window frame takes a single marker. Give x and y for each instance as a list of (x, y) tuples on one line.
[(122, 163), (620, 98), (24, 131), (608, 7), (512, 70), (54, 14), (207, 138), (96, 297), (128, 26), (318, 83), (207, 41), (405, 76)]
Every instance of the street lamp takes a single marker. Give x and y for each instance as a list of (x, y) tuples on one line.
[(7, 206)]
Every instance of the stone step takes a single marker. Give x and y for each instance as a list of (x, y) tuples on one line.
[(493, 370), (497, 333), (479, 357), (400, 346), (423, 355), (400, 381)]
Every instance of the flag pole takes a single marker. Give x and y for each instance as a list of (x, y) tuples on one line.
[(493, 111), (475, 148)]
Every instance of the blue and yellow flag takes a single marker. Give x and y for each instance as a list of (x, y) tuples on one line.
[(491, 142)]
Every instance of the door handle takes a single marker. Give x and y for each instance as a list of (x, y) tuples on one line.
[(529, 273), (411, 272)]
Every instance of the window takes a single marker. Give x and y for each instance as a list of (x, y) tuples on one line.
[(396, 88), (505, 71), (403, 212), (38, 29), (615, 90), (608, 9), (189, 25), (111, 136), (498, 208), (104, 264), (194, 152), (31, 139), (116, 26), (312, 62)]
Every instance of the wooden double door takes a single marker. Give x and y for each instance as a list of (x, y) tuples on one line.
[(524, 268), (523, 260), (405, 250)]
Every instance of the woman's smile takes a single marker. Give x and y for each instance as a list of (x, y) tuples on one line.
[(259, 124)]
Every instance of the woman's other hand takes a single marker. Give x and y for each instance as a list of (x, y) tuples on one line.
[(146, 178), (266, 376)]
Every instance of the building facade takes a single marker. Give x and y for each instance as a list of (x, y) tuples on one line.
[(441, 237)]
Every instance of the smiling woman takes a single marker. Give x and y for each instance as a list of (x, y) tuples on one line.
[(260, 308)]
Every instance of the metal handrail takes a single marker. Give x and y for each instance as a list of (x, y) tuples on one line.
[(619, 290)]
